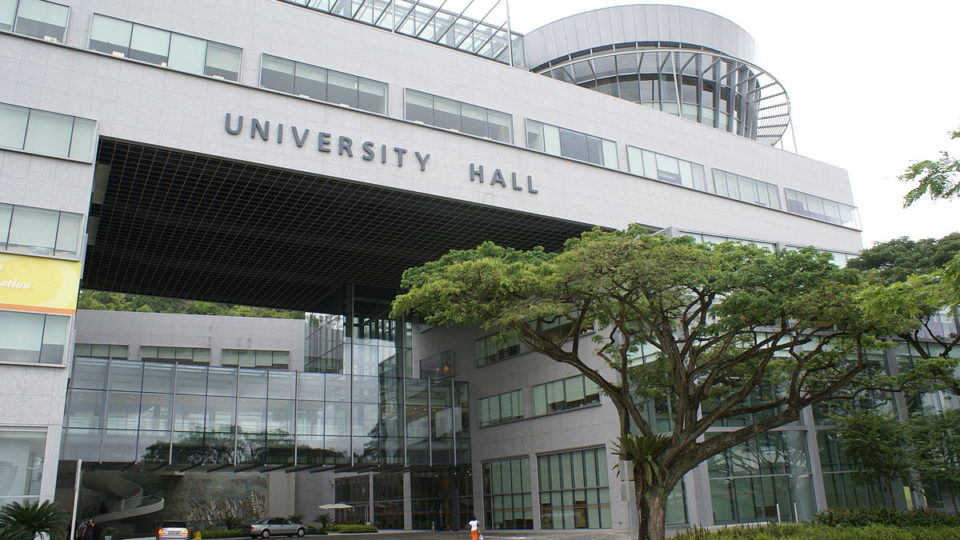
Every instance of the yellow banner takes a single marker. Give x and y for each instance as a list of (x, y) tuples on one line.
[(38, 284)]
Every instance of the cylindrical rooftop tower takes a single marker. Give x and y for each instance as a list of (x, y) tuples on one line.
[(679, 60)]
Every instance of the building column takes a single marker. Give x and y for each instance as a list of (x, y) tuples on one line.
[(407, 504), (813, 455)]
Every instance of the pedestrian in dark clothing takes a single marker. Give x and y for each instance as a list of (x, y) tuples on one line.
[(88, 531)]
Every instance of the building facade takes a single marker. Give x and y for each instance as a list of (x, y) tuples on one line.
[(301, 155)]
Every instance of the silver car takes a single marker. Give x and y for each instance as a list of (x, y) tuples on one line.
[(275, 526)]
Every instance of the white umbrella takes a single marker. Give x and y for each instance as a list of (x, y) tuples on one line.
[(334, 506)]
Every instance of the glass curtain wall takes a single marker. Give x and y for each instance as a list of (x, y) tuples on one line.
[(702, 86), (574, 492), (125, 411), (506, 494), (765, 479), (442, 497), (843, 488)]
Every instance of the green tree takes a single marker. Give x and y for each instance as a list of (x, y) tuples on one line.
[(936, 178), (876, 446), (935, 450), (31, 518), (913, 284), (728, 320), (112, 301)]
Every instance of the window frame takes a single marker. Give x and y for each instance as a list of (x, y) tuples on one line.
[(166, 64)]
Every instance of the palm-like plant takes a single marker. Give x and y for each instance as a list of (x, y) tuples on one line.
[(25, 521)]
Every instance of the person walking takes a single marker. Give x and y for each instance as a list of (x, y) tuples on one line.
[(88, 531), (474, 529)]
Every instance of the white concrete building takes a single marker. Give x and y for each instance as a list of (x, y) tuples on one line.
[(301, 155)]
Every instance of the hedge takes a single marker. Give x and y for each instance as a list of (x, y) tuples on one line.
[(355, 528), (824, 532), (923, 517)]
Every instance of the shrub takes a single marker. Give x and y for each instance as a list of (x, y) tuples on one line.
[(822, 532), (313, 529), (862, 517), (223, 533), (355, 528)]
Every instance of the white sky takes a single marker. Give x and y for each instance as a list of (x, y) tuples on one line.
[(873, 86)]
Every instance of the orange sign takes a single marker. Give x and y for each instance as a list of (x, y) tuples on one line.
[(39, 284)]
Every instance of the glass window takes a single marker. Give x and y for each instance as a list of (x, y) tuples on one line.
[(187, 54), (746, 189), (572, 144), (150, 45), (83, 139), (33, 230), (222, 61), (54, 339), (277, 74), (22, 452), (666, 168), (821, 209), (501, 408), (318, 83), (451, 114), (310, 81), (574, 491), (13, 125), (506, 491), (49, 134), (68, 233), (42, 19), (110, 35), (565, 394), (342, 88), (8, 13), (373, 96), (493, 349), (32, 338), (446, 113), (419, 107)]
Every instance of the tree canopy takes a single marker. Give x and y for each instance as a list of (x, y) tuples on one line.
[(935, 178), (914, 284), (718, 332), (114, 301)]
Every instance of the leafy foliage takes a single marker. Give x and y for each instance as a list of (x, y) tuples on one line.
[(113, 301), (725, 321), (923, 517), (824, 532), (31, 518), (935, 178), (876, 447), (912, 282), (352, 528), (935, 448)]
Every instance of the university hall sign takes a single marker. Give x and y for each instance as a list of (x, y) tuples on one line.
[(328, 143)]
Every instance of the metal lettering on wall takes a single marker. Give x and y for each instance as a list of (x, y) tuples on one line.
[(476, 175), (324, 142), (367, 150)]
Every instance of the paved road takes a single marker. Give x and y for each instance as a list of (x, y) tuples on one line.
[(498, 535), (464, 535)]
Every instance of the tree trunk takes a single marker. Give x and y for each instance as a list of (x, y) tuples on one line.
[(652, 505)]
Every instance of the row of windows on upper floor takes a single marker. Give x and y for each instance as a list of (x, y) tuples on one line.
[(839, 258), (555, 396), (245, 358), (198, 56)]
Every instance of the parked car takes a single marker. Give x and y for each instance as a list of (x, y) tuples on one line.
[(276, 526), (173, 530)]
